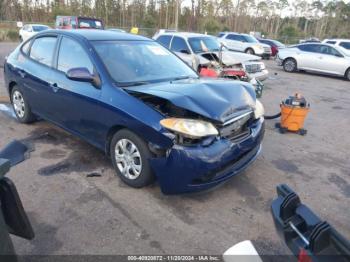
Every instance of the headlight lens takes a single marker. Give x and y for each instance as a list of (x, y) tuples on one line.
[(258, 47), (190, 128), (259, 109)]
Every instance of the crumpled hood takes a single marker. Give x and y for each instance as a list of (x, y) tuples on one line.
[(220, 100), (232, 58)]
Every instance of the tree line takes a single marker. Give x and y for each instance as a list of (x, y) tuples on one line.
[(274, 18)]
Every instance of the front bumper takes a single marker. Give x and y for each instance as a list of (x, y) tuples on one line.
[(261, 76), (191, 169)]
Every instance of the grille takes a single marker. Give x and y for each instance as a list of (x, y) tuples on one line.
[(267, 49), (253, 68), (238, 129)]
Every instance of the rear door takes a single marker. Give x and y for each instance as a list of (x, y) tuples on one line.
[(37, 74), (234, 42), (77, 103), (307, 55)]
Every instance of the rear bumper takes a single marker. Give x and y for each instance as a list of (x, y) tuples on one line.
[(191, 169)]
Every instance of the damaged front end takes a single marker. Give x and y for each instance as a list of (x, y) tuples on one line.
[(216, 132)]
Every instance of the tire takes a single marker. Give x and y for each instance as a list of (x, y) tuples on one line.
[(347, 74), (21, 106), (250, 51), (290, 65), (132, 166)]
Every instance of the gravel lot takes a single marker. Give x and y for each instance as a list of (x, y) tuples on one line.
[(75, 214)]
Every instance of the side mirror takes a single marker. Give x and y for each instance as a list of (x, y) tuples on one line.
[(184, 51), (82, 74)]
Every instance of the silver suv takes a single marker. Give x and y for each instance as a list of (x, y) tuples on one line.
[(244, 43)]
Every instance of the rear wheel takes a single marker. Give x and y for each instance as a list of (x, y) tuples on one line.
[(347, 74), (21, 106), (130, 155), (290, 65), (250, 51)]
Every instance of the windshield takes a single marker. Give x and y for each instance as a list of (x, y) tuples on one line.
[(204, 44), (141, 62), (38, 28), (250, 39), (90, 23)]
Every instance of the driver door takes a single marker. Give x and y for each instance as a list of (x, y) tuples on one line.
[(330, 60), (77, 103)]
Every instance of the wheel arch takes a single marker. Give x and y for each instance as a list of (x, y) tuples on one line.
[(110, 134), (11, 85)]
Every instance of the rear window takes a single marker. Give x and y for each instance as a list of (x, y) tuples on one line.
[(38, 28), (345, 45), (330, 42), (42, 49), (221, 34), (89, 23)]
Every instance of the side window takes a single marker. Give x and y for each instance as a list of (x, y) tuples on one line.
[(345, 45), (327, 50), (309, 48), (179, 45), (330, 42), (221, 35), (43, 48), (235, 37), (164, 40), (65, 21), (72, 55)]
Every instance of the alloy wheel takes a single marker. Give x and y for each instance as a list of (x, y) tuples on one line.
[(18, 104), (128, 159), (289, 65)]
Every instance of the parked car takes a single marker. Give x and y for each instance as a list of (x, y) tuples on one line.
[(343, 43), (310, 40), (78, 22), (244, 43), (201, 51), (162, 31), (274, 44), (139, 103), (322, 58), (29, 30)]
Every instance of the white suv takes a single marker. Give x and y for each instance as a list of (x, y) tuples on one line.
[(244, 43), (343, 43), (29, 30)]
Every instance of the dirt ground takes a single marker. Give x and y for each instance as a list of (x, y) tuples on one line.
[(75, 214)]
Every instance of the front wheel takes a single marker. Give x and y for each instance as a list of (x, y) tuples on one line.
[(250, 51), (21, 106), (290, 65), (130, 155)]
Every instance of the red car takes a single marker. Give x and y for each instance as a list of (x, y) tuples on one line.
[(275, 45), (78, 22)]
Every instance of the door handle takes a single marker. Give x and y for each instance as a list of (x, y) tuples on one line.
[(54, 87), (22, 73)]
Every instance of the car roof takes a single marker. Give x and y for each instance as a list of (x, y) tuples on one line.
[(185, 34), (97, 34)]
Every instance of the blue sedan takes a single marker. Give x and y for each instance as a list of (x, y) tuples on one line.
[(139, 103)]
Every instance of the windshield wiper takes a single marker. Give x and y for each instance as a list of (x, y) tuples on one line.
[(136, 83), (183, 77)]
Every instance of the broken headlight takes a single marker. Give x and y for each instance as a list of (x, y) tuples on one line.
[(190, 128), (259, 109)]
